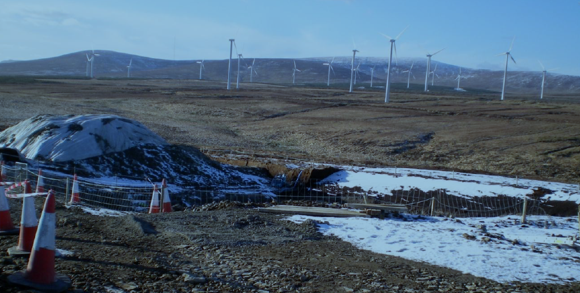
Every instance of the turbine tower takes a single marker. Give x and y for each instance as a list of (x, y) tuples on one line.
[(433, 74), (458, 78), (409, 73), (240, 57), (230, 63), (372, 74), (129, 68), (429, 68), (544, 71), (356, 70), (352, 69), (508, 55), (393, 47), (294, 73), (252, 70), (329, 64), (201, 68)]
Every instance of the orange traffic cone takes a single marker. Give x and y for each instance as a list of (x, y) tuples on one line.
[(2, 172), (75, 197), (6, 225), (167, 208), (40, 182), (28, 225), (40, 273), (154, 206)]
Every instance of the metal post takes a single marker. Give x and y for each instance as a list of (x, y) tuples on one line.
[(524, 210), (230, 62)]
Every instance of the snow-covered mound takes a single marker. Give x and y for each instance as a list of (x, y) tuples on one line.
[(67, 138)]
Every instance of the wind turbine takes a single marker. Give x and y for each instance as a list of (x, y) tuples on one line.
[(508, 55), (129, 68), (352, 69), (429, 68), (458, 78), (433, 74), (92, 61), (372, 74), (294, 72), (329, 64), (240, 57), (356, 73), (201, 68), (544, 71), (393, 46), (252, 70), (409, 73), (230, 63)]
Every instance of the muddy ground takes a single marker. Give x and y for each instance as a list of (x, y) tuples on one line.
[(242, 250), (232, 248)]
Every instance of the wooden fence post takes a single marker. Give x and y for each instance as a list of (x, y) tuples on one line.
[(432, 206), (66, 192), (524, 210)]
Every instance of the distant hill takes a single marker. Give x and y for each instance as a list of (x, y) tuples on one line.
[(112, 64)]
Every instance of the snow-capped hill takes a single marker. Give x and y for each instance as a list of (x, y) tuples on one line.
[(67, 138)]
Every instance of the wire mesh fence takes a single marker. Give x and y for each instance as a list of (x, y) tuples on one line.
[(138, 198)]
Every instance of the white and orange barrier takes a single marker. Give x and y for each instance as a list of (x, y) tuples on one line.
[(28, 225), (154, 206), (2, 172), (6, 224), (167, 208), (40, 182), (40, 273), (75, 196)]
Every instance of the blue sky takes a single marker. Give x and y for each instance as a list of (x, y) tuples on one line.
[(472, 31)]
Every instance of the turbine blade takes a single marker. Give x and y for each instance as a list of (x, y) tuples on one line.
[(512, 45), (543, 68), (294, 64), (332, 60), (399, 35), (514, 60), (438, 51), (412, 64), (500, 54), (388, 37)]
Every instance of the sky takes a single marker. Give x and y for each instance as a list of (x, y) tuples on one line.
[(472, 32)]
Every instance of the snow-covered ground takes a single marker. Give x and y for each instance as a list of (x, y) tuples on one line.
[(443, 242), (383, 180)]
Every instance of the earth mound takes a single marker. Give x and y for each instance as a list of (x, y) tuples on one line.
[(111, 146), (66, 138)]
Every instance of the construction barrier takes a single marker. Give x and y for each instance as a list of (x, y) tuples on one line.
[(6, 224), (40, 273), (28, 226)]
